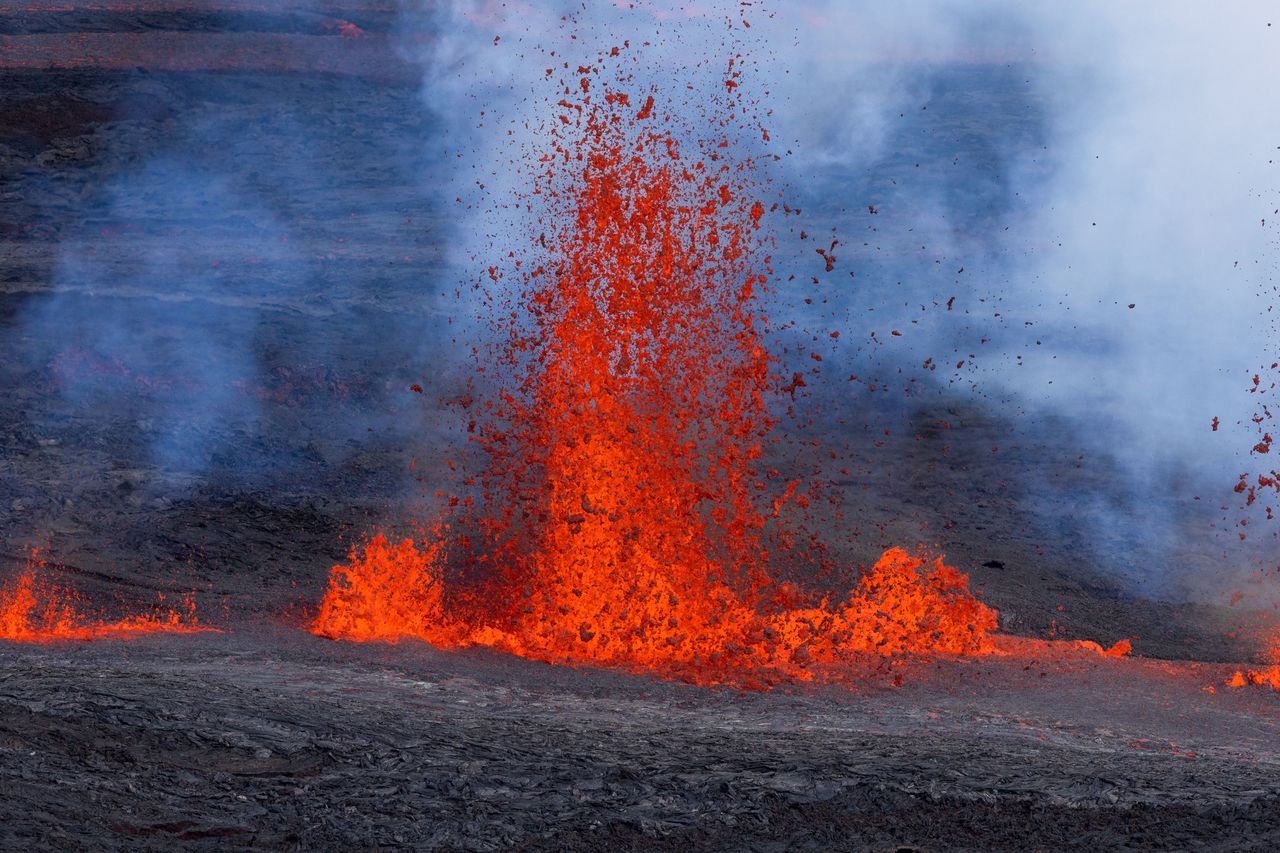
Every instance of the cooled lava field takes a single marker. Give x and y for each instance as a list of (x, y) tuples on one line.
[(240, 278)]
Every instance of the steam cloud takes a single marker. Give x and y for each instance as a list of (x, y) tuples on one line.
[(1072, 159), (1081, 158)]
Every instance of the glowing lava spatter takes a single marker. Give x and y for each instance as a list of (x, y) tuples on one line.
[(1268, 676), (625, 521), (33, 610)]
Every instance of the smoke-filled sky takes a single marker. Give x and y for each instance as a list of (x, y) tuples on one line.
[(1143, 172), (1095, 185), (1004, 179)]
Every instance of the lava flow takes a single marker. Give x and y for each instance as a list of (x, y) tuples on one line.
[(33, 610), (626, 518)]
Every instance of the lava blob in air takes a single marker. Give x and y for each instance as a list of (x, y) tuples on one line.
[(35, 610), (625, 519)]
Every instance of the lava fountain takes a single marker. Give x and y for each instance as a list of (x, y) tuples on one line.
[(626, 518), (1266, 676)]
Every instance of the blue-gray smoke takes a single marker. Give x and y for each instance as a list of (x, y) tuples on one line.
[(259, 284)]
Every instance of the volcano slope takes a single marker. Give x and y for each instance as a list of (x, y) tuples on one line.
[(140, 474)]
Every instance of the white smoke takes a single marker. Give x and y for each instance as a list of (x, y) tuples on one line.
[(1143, 175)]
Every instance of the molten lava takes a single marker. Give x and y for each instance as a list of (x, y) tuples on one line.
[(1268, 676), (625, 520), (656, 622), (33, 610)]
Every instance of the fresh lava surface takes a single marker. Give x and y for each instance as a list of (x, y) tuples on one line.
[(33, 610), (624, 520)]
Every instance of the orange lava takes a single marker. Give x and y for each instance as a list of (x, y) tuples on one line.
[(1119, 649), (657, 623), (35, 611), (1033, 647), (625, 519), (1268, 676)]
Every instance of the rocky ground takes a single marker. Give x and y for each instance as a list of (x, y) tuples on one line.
[(273, 739), (222, 266)]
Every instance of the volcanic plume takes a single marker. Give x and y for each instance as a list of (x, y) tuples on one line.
[(625, 517)]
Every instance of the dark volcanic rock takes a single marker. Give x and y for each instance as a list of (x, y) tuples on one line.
[(273, 739), (254, 183)]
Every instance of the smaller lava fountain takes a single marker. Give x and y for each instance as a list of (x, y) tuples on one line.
[(33, 610), (625, 521), (1267, 676)]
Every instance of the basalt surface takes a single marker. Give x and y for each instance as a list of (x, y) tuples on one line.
[(274, 739), (267, 737)]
